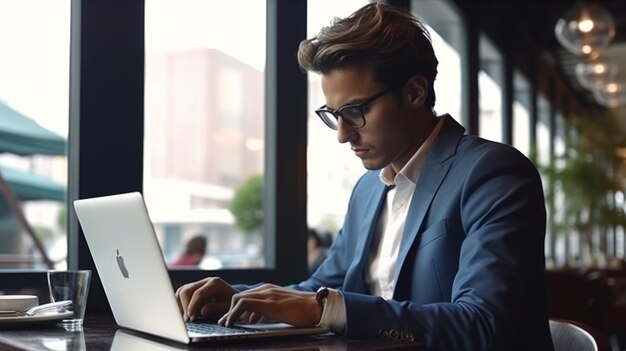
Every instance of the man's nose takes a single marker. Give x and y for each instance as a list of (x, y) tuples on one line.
[(344, 132)]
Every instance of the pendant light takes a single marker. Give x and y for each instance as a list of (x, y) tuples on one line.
[(595, 74), (585, 29)]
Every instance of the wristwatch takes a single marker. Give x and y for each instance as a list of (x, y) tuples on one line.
[(321, 297)]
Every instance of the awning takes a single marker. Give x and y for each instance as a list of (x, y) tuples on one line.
[(29, 186), (21, 135)]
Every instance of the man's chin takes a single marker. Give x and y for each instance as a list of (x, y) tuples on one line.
[(372, 165)]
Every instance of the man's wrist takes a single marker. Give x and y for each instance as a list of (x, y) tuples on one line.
[(334, 312), (321, 297)]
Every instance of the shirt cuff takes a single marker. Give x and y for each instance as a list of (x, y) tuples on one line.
[(334, 314)]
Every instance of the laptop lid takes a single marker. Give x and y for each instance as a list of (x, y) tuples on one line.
[(131, 266)]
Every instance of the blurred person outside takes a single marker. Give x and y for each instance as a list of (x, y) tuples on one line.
[(317, 244), (194, 252)]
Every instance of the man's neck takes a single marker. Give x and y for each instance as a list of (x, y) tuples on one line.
[(426, 128)]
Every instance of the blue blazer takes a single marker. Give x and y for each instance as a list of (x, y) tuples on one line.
[(471, 267)]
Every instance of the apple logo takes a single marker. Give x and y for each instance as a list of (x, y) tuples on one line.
[(120, 263)]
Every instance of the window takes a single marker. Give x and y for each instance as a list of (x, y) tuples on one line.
[(562, 242), (444, 25), (112, 136), (490, 91), (204, 129), (521, 113), (448, 82), (543, 159), (34, 94), (339, 176), (543, 131)]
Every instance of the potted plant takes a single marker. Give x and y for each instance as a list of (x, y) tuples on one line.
[(588, 181)]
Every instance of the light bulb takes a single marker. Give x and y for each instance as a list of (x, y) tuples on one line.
[(612, 88), (595, 74), (612, 95), (585, 28), (585, 25)]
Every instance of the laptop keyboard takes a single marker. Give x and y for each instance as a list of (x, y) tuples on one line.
[(215, 329)]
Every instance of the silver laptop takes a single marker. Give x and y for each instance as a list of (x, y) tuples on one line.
[(134, 274)]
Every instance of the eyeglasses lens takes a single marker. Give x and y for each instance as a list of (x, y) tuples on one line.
[(352, 116)]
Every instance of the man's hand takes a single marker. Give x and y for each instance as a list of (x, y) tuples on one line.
[(206, 297), (273, 303)]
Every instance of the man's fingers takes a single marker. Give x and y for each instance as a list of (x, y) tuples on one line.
[(212, 297), (243, 305), (193, 296), (255, 318), (262, 287), (184, 294), (202, 296), (213, 311)]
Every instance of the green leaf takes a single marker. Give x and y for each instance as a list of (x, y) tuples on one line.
[(247, 204)]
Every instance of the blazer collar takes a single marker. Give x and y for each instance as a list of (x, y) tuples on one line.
[(435, 169)]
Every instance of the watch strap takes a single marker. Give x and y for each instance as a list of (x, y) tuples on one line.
[(321, 296)]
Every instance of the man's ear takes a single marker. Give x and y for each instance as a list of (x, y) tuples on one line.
[(417, 90)]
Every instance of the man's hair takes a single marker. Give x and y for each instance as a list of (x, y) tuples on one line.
[(196, 245), (390, 41)]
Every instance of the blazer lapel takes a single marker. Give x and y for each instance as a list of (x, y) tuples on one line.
[(435, 169), (356, 282)]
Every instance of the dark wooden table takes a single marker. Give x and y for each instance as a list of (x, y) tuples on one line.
[(101, 333)]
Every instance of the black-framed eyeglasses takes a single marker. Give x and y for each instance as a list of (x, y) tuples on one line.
[(353, 114)]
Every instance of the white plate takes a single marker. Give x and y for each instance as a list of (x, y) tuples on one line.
[(18, 302), (42, 318)]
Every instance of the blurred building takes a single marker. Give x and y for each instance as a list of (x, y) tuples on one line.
[(204, 135)]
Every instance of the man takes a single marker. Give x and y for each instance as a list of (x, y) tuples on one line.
[(443, 241)]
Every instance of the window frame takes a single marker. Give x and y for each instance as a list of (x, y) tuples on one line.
[(97, 173), (107, 99)]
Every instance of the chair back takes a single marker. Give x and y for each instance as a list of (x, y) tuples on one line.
[(568, 335)]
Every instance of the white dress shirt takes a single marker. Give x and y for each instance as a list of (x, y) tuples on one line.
[(383, 255)]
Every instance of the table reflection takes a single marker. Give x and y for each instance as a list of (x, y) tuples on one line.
[(101, 333), (53, 339), (129, 340)]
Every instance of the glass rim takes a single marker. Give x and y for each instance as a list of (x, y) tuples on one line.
[(69, 271)]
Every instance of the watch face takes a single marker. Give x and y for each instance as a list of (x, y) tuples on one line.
[(322, 294)]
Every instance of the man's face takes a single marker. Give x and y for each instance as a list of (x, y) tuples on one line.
[(390, 134)]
